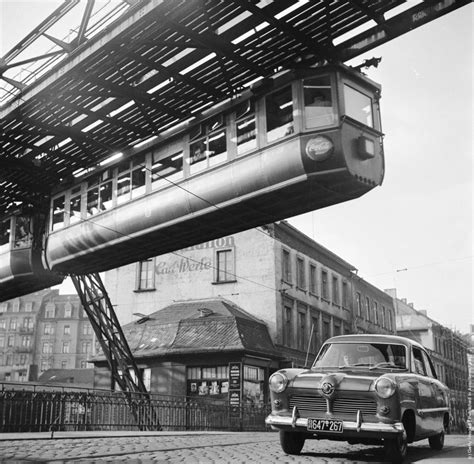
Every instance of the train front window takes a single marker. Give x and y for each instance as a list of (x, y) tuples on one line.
[(22, 236), (5, 232), (358, 106), (279, 114), (319, 107)]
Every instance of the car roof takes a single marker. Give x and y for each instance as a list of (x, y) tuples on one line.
[(376, 338)]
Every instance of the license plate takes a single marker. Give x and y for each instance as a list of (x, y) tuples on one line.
[(325, 425)]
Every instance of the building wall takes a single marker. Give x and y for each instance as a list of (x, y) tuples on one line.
[(191, 274), (301, 290), (18, 337), (373, 308), (45, 330)]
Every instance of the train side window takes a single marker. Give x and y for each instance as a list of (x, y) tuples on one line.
[(5, 232), (75, 205), (246, 127), (208, 145), (58, 213), (279, 114), (138, 176), (22, 236), (166, 168), (123, 182), (131, 180), (99, 193), (358, 106), (319, 108)]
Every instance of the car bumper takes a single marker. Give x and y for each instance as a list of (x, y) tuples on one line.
[(357, 428)]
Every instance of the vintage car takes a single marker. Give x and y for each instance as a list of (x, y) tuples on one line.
[(371, 389)]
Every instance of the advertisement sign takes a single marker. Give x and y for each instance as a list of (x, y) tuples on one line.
[(235, 393), (235, 375)]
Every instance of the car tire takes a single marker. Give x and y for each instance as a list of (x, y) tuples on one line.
[(396, 448), (437, 441), (291, 442)]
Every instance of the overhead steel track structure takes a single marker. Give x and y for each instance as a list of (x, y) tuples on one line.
[(162, 62)]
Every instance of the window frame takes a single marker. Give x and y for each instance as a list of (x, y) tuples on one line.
[(228, 273)]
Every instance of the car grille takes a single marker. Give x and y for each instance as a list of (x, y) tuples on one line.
[(308, 405), (352, 405)]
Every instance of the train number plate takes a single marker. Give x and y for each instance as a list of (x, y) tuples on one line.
[(325, 425)]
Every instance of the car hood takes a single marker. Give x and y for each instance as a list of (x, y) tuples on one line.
[(355, 381)]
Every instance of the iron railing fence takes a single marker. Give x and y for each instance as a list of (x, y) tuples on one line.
[(40, 408)]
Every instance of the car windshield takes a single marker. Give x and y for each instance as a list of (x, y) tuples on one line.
[(362, 354)]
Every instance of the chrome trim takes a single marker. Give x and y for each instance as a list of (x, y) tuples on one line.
[(294, 417), (430, 410), (359, 420), (302, 422)]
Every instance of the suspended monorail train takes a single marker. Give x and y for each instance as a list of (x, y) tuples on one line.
[(300, 141)]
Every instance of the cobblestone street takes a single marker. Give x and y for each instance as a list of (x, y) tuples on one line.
[(201, 447)]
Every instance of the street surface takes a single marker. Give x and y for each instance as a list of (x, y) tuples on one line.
[(202, 447)]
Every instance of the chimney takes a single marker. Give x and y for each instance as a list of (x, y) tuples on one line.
[(391, 291)]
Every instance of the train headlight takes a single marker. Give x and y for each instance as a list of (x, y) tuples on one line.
[(278, 382), (385, 387), (365, 147), (319, 148)]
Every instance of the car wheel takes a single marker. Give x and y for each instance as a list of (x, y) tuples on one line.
[(291, 442), (396, 448), (437, 441)]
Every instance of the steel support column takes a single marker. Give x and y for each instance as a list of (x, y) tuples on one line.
[(124, 370)]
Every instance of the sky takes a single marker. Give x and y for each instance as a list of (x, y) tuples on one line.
[(415, 232)]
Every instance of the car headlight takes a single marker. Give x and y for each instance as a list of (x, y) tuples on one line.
[(385, 387), (278, 382)]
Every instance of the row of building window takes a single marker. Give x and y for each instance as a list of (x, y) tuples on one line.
[(68, 311), (12, 324), (10, 359), (317, 281), (86, 347), (370, 310), (19, 376), (450, 350), (305, 328), (50, 329), (51, 311), (10, 341), (16, 306), (46, 364)]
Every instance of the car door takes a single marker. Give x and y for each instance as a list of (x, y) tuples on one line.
[(438, 403), (424, 393)]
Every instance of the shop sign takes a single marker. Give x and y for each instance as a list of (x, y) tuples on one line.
[(234, 402), (235, 370)]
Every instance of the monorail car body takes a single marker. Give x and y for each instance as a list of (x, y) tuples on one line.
[(22, 270), (310, 147), (298, 142)]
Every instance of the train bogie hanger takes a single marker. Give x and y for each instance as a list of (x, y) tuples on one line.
[(300, 141)]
